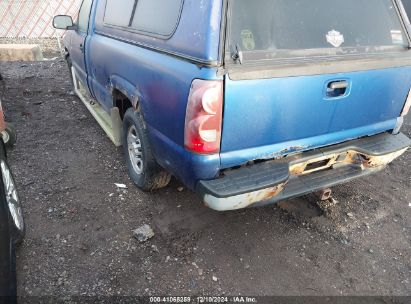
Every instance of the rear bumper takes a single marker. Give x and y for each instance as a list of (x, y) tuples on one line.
[(297, 175)]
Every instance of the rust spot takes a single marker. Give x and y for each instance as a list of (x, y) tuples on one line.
[(264, 194), (272, 192), (346, 158), (286, 152), (306, 167), (258, 196), (380, 161)]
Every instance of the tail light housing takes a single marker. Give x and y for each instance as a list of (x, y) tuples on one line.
[(407, 105), (204, 117)]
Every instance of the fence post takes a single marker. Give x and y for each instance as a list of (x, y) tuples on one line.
[(57, 36)]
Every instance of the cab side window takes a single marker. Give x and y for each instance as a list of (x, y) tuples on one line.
[(84, 15), (119, 15), (157, 17)]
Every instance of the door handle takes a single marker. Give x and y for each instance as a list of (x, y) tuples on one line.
[(337, 88), (337, 85), (82, 47)]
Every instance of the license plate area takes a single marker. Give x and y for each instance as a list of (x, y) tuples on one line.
[(316, 164)]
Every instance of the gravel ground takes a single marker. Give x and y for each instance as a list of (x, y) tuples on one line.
[(79, 223)]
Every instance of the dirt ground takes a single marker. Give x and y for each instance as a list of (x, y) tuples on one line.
[(79, 224)]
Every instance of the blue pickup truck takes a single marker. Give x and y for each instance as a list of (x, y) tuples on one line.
[(246, 102)]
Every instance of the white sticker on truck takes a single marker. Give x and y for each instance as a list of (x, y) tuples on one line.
[(247, 38), (335, 38)]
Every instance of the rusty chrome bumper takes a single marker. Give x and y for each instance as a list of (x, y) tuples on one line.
[(297, 175)]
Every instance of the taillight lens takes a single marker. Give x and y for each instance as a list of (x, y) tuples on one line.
[(407, 105), (204, 117)]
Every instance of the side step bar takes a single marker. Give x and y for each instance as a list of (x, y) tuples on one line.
[(111, 124)]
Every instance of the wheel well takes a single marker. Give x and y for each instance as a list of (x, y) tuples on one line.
[(122, 102)]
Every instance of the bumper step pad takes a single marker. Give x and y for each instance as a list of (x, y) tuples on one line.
[(246, 180)]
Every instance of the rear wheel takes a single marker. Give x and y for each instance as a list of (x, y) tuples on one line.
[(142, 167)]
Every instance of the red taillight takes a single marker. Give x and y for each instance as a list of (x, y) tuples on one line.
[(204, 117)]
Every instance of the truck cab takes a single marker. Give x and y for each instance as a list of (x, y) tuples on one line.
[(246, 102)]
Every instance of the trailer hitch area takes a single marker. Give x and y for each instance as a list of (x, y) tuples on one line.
[(324, 194)]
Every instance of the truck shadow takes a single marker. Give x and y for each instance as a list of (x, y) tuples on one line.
[(182, 211)]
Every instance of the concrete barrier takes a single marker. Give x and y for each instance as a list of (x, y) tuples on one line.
[(20, 52)]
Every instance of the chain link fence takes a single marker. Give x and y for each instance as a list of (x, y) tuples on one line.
[(30, 21)]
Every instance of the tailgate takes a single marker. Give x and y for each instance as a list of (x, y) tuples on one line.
[(266, 118)]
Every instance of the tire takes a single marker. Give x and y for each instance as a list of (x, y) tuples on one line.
[(7, 249), (8, 190), (9, 135), (8, 277), (143, 169), (12, 297)]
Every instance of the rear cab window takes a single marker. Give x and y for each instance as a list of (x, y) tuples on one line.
[(280, 30)]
